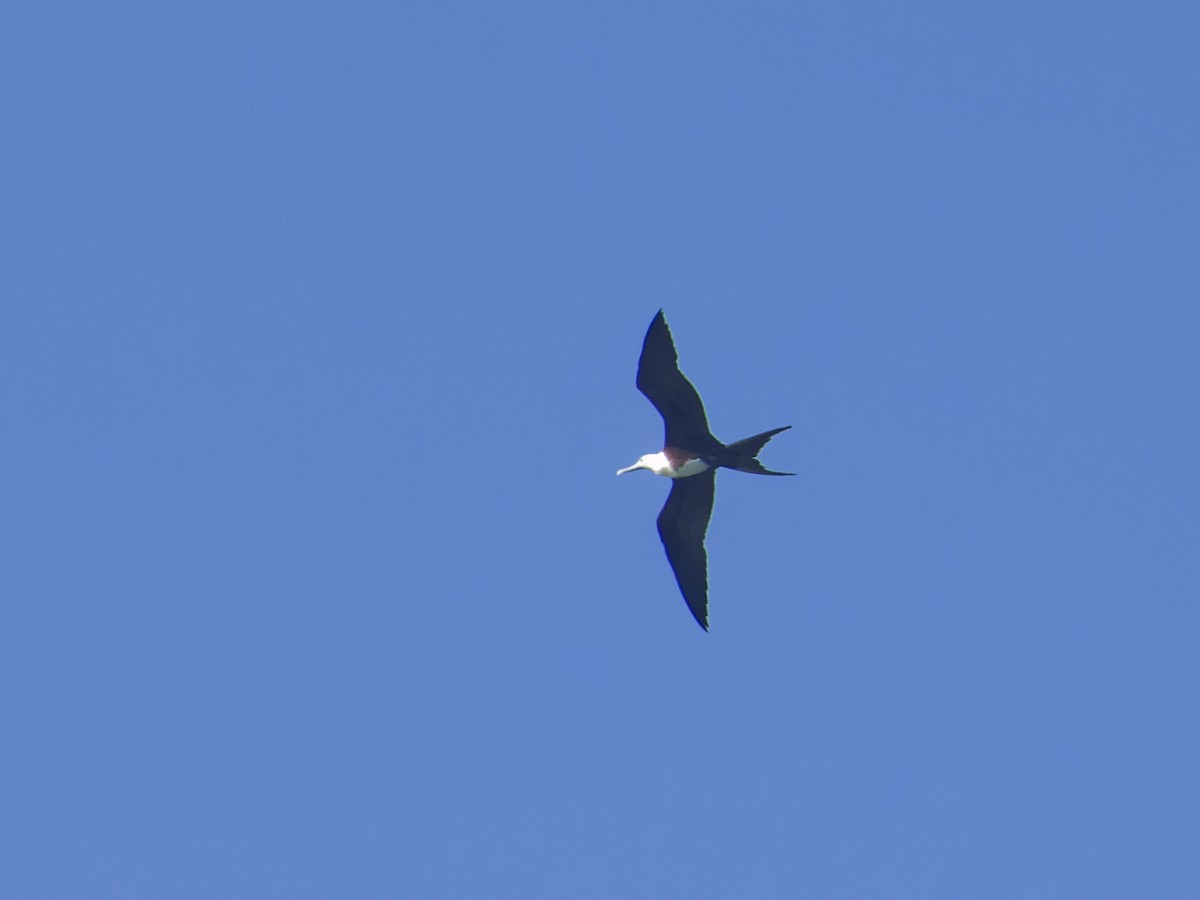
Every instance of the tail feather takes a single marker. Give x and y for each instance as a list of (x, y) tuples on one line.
[(741, 454)]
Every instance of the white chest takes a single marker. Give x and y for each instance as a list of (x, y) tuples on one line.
[(660, 465)]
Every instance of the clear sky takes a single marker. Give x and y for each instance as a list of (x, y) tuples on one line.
[(318, 331)]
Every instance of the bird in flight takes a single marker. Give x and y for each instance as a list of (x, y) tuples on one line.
[(690, 458)]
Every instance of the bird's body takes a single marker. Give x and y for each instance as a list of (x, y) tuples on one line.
[(690, 457)]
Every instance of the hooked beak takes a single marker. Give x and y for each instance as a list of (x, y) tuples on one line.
[(636, 465)]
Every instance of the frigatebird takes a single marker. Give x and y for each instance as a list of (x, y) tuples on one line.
[(690, 458)]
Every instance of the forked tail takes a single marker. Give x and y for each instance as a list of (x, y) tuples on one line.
[(741, 454)]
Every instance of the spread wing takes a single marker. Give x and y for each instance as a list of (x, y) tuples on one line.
[(681, 525), (671, 393)]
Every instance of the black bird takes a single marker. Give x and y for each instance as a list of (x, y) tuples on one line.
[(690, 458)]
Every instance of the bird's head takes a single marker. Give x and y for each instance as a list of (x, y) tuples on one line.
[(654, 462)]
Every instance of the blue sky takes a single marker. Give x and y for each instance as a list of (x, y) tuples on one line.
[(317, 347)]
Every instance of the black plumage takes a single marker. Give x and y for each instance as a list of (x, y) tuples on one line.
[(683, 522)]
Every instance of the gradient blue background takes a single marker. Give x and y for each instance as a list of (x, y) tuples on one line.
[(317, 351)]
